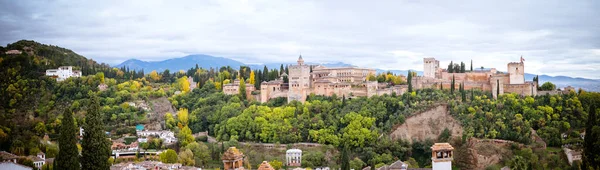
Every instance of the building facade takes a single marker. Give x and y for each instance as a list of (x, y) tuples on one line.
[(483, 79), (345, 82), (441, 156), (63, 73), (293, 157)]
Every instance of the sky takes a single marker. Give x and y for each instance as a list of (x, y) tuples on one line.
[(554, 37)]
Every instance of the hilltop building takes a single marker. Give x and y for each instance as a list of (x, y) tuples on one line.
[(234, 88), (63, 73), (483, 79), (320, 80)]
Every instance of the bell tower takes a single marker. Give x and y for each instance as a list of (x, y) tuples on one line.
[(441, 156), (300, 60)]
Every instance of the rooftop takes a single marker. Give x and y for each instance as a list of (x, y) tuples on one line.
[(441, 146)]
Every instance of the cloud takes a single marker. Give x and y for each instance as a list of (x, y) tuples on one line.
[(555, 37)]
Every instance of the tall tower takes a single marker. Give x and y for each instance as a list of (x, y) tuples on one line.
[(430, 67), (299, 81), (300, 60), (441, 156), (516, 72)]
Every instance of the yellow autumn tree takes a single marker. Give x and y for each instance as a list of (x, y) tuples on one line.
[(252, 78), (154, 75), (184, 84), (183, 116)]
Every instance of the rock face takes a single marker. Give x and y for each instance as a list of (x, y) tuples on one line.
[(427, 124)]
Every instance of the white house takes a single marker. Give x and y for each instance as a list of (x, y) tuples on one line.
[(293, 157), (165, 135), (63, 72), (13, 166), (39, 160)]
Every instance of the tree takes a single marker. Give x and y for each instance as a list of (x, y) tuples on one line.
[(450, 67), (252, 77), (463, 93), (186, 158), (68, 155), (591, 143), (185, 136), (242, 89), (183, 84), (169, 156), (276, 164), (445, 135), (412, 163), (154, 76), (183, 116), (518, 163), (452, 85), (471, 65), (95, 145), (462, 67), (200, 151), (357, 163), (345, 159), (409, 81), (497, 88), (371, 77), (548, 86)]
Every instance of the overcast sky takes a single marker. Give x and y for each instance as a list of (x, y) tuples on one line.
[(554, 37)]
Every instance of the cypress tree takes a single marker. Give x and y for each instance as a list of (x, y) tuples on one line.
[(441, 86), (497, 88), (590, 151), (452, 85), (95, 146), (409, 81), (242, 89), (471, 65), (463, 94), (345, 159), (68, 155)]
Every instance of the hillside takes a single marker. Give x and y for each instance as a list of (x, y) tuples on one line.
[(427, 125)]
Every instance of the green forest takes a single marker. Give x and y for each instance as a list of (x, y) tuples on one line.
[(354, 132)]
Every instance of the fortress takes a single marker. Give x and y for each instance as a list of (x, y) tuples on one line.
[(483, 79), (341, 81), (350, 82)]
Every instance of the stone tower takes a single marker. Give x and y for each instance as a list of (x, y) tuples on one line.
[(441, 156), (299, 81), (516, 71), (431, 65)]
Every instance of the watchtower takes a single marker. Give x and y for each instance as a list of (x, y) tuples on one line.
[(441, 156)]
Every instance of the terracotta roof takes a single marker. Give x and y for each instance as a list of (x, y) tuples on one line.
[(442, 146), (398, 165), (232, 154), (265, 166), (5, 155), (35, 159)]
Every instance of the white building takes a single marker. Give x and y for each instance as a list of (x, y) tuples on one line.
[(441, 156), (293, 157), (39, 160), (63, 72), (165, 135), (13, 166)]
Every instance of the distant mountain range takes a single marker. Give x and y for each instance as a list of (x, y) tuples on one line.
[(207, 61)]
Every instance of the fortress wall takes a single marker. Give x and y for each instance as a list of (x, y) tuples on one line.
[(521, 89), (467, 77)]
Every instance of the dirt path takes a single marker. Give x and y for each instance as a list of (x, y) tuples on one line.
[(427, 124)]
